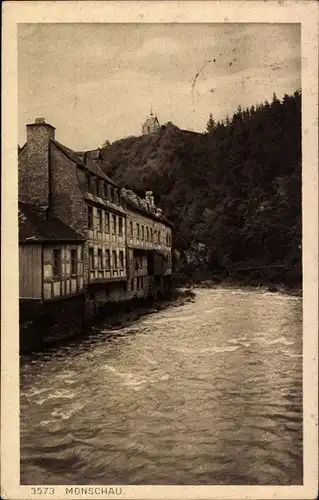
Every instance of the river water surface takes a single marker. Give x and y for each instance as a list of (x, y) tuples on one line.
[(205, 393)]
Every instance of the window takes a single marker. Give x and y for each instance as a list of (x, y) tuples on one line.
[(121, 259), (74, 262), (57, 263), (94, 185), (99, 258), (99, 220), (138, 262), (159, 236), (107, 222), (151, 234), (142, 232), (132, 284), (90, 217), (121, 226), (91, 259), (104, 192), (98, 187), (81, 253), (107, 259), (111, 193), (114, 224), (138, 231), (116, 197), (147, 234), (131, 228), (114, 258)]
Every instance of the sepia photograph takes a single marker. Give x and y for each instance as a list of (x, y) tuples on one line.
[(160, 244)]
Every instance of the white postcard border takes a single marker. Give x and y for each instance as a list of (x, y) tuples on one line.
[(246, 11)]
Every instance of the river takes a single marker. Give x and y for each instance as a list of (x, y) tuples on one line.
[(205, 393)]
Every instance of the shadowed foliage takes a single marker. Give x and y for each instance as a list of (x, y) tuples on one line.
[(233, 193)]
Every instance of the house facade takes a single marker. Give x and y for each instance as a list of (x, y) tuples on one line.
[(51, 275), (50, 257), (148, 239), (123, 247)]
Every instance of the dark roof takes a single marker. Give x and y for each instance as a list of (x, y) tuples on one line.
[(146, 211), (82, 162), (34, 226), (104, 203)]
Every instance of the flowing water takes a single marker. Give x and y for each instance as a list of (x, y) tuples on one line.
[(205, 393)]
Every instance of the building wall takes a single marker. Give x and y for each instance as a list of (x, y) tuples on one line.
[(30, 271), (50, 321), (106, 237), (139, 286), (146, 237), (146, 233), (67, 281), (68, 185)]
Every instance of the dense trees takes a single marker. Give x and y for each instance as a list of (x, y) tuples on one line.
[(211, 125), (233, 193)]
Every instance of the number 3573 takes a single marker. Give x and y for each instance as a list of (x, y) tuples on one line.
[(42, 491)]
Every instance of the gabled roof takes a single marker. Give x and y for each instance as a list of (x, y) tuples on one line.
[(135, 205), (89, 165), (151, 120), (34, 227)]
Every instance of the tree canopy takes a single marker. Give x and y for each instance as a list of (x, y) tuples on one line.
[(234, 195)]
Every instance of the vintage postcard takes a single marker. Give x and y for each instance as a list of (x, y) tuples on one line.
[(160, 250)]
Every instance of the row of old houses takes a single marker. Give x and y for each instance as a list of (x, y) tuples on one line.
[(84, 243)]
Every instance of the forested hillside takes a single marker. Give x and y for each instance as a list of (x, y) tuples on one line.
[(234, 193)]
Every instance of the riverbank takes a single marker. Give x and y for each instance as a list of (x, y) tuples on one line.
[(231, 284), (120, 318), (114, 316), (246, 283)]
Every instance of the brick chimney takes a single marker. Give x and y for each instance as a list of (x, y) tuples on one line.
[(34, 164)]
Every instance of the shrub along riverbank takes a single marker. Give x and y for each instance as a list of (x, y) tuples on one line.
[(226, 281)]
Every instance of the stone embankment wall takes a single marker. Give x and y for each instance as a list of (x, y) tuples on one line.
[(48, 322)]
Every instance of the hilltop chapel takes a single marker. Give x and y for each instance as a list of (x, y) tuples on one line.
[(151, 124)]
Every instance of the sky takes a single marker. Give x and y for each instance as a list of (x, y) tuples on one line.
[(97, 82)]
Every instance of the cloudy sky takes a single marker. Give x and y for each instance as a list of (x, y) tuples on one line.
[(98, 81)]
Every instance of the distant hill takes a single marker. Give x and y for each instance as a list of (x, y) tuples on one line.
[(133, 161), (234, 193)]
